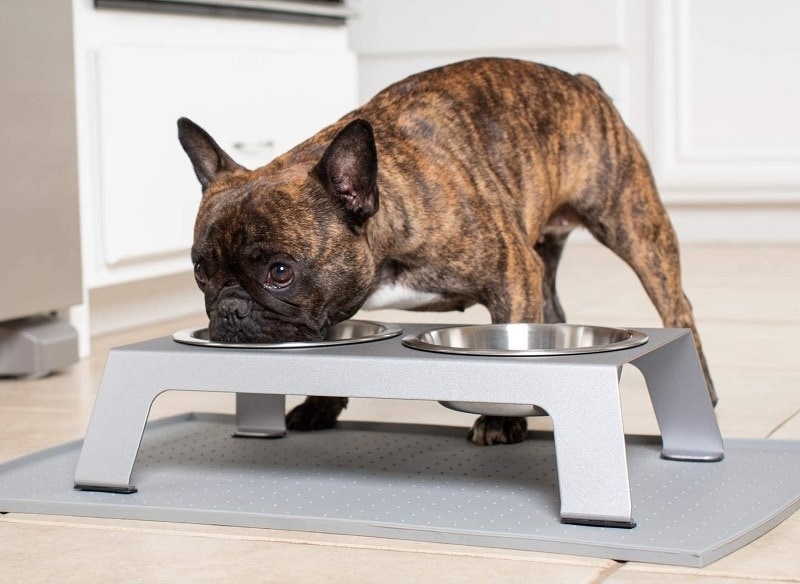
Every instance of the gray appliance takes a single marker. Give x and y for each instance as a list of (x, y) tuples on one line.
[(40, 259)]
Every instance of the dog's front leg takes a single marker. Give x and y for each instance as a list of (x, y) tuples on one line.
[(315, 413), (517, 298)]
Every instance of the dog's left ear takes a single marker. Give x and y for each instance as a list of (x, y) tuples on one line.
[(349, 170), (208, 159)]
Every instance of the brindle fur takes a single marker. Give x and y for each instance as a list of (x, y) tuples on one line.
[(483, 169)]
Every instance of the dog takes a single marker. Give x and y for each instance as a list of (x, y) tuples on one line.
[(455, 186)]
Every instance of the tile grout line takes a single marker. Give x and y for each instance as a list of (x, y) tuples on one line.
[(606, 573), (783, 423)]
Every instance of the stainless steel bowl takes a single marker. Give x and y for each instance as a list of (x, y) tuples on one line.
[(347, 332), (525, 340), (490, 409), (521, 340)]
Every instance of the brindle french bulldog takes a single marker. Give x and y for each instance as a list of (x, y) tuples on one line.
[(455, 186)]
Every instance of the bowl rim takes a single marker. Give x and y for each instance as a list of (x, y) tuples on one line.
[(385, 331), (634, 338)]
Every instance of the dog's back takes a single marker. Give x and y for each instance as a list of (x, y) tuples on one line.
[(498, 135)]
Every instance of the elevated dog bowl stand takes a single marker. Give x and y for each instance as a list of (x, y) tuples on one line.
[(579, 392)]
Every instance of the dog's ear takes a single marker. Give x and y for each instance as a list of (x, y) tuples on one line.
[(349, 170), (208, 159)]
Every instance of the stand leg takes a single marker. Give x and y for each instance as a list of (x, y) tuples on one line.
[(116, 426), (675, 380), (260, 415), (590, 452)]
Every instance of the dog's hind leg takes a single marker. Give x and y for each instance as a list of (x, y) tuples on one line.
[(636, 227)]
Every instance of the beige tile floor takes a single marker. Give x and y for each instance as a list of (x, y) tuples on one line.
[(745, 300)]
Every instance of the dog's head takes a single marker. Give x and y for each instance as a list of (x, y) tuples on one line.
[(280, 252)]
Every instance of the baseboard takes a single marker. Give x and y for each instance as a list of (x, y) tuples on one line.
[(736, 224), (728, 224), (125, 306)]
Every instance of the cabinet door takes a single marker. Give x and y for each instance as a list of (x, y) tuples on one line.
[(256, 104)]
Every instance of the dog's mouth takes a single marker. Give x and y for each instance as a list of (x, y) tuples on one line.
[(237, 317), (259, 330)]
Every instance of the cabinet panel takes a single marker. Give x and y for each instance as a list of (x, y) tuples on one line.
[(256, 104), (740, 80), (725, 101), (411, 26)]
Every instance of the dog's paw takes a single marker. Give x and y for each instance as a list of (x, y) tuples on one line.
[(316, 413), (491, 430)]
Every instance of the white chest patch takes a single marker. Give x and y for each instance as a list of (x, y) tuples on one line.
[(401, 297)]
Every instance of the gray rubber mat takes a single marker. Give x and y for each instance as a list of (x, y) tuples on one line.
[(425, 483)]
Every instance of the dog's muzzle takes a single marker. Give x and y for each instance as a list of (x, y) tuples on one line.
[(234, 308)]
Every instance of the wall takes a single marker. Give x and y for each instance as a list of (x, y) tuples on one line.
[(710, 88)]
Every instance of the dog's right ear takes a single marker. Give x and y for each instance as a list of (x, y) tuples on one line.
[(208, 159), (349, 170)]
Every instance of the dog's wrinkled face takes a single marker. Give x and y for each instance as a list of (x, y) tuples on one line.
[(277, 251)]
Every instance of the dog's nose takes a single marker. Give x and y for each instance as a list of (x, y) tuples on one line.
[(238, 307)]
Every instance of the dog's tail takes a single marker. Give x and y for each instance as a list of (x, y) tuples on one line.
[(593, 83)]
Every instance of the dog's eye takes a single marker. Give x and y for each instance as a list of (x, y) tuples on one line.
[(280, 276), (200, 273)]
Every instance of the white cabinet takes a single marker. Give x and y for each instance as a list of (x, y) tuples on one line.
[(259, 87), (256, 104), (727, 99)]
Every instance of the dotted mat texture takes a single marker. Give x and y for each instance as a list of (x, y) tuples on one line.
[(424, 483)]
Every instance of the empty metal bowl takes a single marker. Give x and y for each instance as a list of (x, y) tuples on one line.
[(522, 340), (525, 340), (490, 409), (347, 332)]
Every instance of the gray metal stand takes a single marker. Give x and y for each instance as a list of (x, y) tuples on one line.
[(580, 393)]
